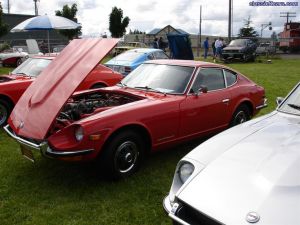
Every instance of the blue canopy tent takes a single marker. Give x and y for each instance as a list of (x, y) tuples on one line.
[(180, 46)]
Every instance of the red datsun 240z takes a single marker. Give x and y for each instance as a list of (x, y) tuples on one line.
[(160, 104)]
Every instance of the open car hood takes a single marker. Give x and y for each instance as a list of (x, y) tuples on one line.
[(40, 103)]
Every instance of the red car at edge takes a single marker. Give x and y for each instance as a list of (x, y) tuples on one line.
[(13, 86), (160, 104)]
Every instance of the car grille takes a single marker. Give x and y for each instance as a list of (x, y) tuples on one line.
[(194, 217)]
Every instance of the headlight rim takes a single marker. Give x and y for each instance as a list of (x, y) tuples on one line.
[(79, 133), (185, 163)]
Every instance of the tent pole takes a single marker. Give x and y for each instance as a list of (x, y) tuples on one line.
[(48, 41)]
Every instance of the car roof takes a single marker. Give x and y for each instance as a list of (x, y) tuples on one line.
[(186, 63), (145, 50)]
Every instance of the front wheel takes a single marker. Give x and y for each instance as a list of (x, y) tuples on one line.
[(241, 115), (4, 112), (123, 154)]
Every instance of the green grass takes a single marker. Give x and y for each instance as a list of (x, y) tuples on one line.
[(52, 192)]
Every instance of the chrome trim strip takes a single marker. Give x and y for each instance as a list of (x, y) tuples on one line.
[(21, 140), (168, 210), (263, 105), (52, 153), (178, 219), (44, 148)]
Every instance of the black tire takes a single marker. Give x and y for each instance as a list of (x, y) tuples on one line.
[(5, 111), (18, 62), (95, 86), (123, 154), (241, 115)]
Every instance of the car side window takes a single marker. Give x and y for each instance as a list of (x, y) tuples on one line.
[(150, 56), (230, 77), (212, 78), (160, 55)]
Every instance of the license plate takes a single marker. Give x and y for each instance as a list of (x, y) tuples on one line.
[(27, 153)]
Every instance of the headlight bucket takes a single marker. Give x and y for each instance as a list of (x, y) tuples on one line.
[(79, 133), (185, 171)]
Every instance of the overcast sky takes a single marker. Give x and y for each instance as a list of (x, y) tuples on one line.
[(147, 15)]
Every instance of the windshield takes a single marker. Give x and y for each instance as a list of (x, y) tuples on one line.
[(161, 78), (128, 56), (238, 42), (32, 67), (292, 103)]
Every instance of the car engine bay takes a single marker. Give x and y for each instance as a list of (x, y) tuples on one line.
[(85, 105)]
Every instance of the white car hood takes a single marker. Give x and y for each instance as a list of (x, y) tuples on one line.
[(260, 173)]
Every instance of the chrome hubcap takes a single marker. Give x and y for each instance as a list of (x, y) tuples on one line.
[(126, 157), (3, 114), (240, 117)]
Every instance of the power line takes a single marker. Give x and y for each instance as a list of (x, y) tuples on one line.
[(287, 15)]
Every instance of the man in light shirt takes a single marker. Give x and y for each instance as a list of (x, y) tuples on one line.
[(219, 45)]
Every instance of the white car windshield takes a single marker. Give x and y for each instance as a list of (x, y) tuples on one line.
[(161, 78), (292, 103), (31, 67)]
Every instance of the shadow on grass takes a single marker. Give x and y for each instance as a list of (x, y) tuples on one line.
[(59, 175)]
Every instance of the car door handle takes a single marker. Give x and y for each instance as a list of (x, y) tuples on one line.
[(225, 100)]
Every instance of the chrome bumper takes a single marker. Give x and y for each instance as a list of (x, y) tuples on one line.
[(43, 147), (171, 210), (264, 105)]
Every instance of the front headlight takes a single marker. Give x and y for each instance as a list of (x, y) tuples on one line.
[(79, 133), (185, 171)]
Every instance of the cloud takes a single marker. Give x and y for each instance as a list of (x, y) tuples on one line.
[(150, 6), (183, 14)]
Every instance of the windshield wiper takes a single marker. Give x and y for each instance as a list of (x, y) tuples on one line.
[(24, 74), (294, 106), (149, 89), (122, 84)]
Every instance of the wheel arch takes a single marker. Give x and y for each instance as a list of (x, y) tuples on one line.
[(138, 128), (247, 103), (8, 100)]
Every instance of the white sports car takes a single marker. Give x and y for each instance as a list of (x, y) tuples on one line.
[(247, 174)]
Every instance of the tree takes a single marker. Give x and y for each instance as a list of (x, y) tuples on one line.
[(247, 30), (70, 13), (117, 25), (3, 26)]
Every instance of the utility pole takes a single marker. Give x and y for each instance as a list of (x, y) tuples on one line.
[(287, 15), (199, 37), (229, 20), (264, 26), (36, 8), (8, 7)]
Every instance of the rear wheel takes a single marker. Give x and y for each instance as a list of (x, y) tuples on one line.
[(4, 112), (18, 62), (123, 154), (241, 115)]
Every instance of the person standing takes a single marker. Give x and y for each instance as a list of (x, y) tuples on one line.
[(206, 47), (219, 45), (214, 48), (155, 43)]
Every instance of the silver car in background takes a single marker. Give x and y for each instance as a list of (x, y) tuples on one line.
[(245, 175)]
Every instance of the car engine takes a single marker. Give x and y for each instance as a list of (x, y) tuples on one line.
[(82, 106), (78, 107)]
